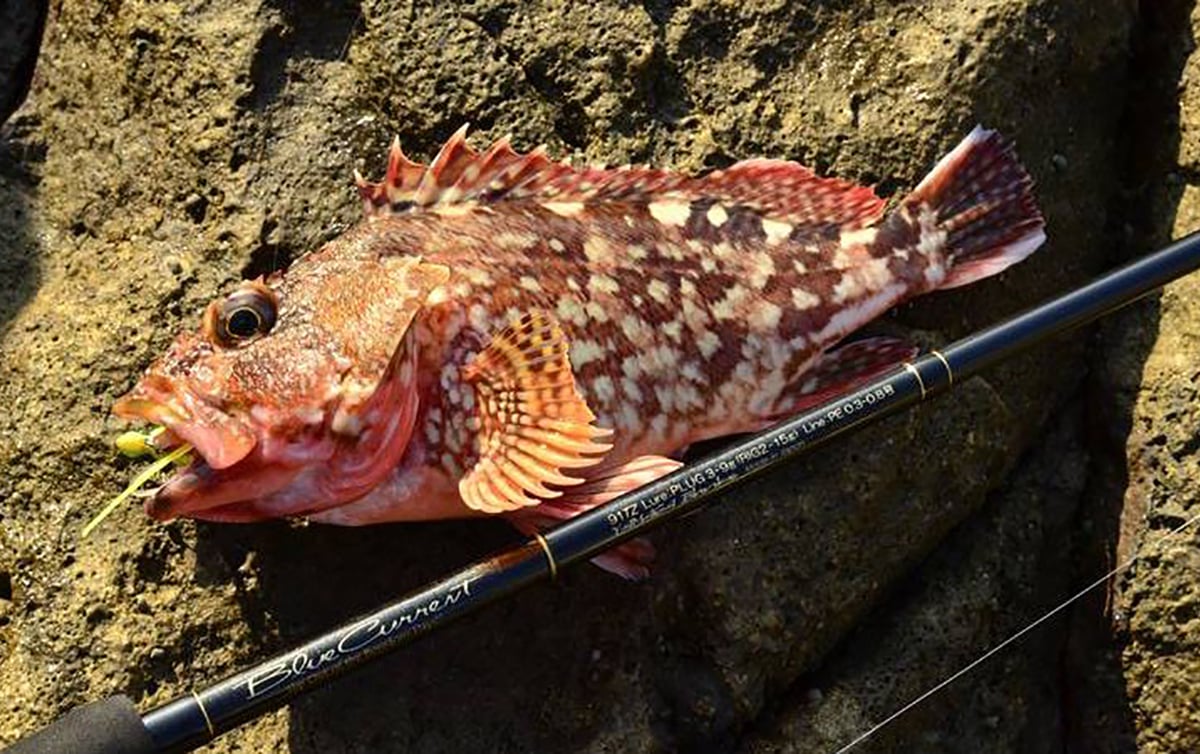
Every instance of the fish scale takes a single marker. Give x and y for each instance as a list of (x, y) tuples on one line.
[(505, 334), (641, 303)]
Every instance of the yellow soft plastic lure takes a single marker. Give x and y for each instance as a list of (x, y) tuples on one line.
[(135, 445)]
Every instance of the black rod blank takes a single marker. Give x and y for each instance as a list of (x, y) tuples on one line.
[(190, 721)]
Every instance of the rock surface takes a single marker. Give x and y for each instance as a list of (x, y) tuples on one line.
[(168, 148)]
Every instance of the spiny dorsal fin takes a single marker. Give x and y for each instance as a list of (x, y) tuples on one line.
[(532, 421), (459, 175)]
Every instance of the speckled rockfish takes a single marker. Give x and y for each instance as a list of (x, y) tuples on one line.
[(507, 334)]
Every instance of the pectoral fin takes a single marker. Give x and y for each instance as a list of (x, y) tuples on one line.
[(533, 423)]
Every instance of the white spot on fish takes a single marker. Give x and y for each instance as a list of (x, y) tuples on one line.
[(851, 317), (585, 352), (765, 316), (932, 237), (346, 424), (686, 396), (636, 329), (659, 291), (564, 209), (717, 215), (658, 425), (530, 284), (596, 312), (557, 245), (569, 310), (727, 307), (478, 317), (477, 276), (598, 250), (629, 419), (708, 343), (599, 283), (860, 237), (850, 286), (666, 357), (802, 299), (776, 231), (769, 388), (515, 240), (691, 372), (602, 388), (695, 317), (935, 273), (666, 398), (763, 266), (632, 391), (722, 250), (670, 212), (875, 273)]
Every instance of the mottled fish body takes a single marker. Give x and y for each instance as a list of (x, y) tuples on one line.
[(505, 334)]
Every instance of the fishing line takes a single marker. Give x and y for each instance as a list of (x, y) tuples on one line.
[(1138, 555)]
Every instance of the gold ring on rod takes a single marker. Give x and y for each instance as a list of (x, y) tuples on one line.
[(916, 374), (946, 364), (549, 555)]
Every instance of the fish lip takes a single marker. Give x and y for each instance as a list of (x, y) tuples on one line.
[(218, 437), (170, 501)]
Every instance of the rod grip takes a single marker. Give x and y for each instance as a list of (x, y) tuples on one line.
[(109, 726)]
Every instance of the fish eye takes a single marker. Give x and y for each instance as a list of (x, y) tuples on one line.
[(245, 314)]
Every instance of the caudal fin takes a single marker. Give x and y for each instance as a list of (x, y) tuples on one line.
[(976, 209)]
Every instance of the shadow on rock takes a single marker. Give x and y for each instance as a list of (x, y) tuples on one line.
[(20, 38), (19, 250), (21, 25)]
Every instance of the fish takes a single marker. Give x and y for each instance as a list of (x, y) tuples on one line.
[(504, 334)]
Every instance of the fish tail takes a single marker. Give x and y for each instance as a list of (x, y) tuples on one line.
[(975, 212)]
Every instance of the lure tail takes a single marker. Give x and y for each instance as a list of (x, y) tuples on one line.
[(975, 210)]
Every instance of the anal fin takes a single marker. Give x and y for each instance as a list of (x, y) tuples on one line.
[(630, 560), (840, 370), (533, 423)]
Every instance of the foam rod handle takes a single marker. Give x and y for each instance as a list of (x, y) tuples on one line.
[(109, 726)]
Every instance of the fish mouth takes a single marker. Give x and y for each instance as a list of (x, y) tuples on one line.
[(220, 438), (225, 468)]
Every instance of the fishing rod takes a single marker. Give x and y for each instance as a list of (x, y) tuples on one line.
[(114, 725)]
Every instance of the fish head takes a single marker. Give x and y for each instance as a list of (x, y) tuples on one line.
[(297, 392)]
